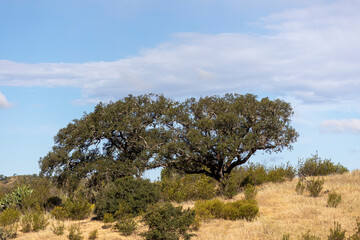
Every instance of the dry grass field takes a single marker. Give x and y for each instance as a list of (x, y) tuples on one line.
[(281, 211)]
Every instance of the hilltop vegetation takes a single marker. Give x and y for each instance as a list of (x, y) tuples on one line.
[(264, 205)]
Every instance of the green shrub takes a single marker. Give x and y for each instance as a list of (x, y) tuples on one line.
[(250, 192), (241, 209), (180, 187), (336, 233), (333, 200), (26, 222), (59, 213), (77, 209), (34, 221), (134, 194), (207, 209), (39, 221), (16, 198), (308, 236), (286, 236), (75, 232), (126, 226), (58, 228), (167, 222), (314, 186), (108, 218), (93, 235), (9, 219), (315, 166), (300, 186)]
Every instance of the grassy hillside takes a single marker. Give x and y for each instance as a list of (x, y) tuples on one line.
[(282, 211)]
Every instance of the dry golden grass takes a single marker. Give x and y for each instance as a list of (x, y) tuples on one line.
[(281, 211)]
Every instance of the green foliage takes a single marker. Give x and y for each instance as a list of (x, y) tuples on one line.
[(75, 232), (58, 228), (77, 209), (333, 200), (126, 226), (133, 194), (39, 221), (93, 235), (59, 213), (286, 236), (315, 166), (74, 209), (9, 216), (117, 139), (179, 187), (108, 218), (167, 222), (34, 221), (127, 137), (26, 222), (308, 236), (16, 198), (250, 192), (241, 209), (9, 219), (336, 233), (209, 209), (314, 186), (300, 186)]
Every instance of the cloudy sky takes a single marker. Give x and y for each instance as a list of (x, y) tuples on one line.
[(59, 58)]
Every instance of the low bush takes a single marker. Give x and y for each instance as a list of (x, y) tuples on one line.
[(167, 222), (300, 186), (314, 186), (26, 222), (93, 235), (58, 228), (250, 192), (77, 209), (179, 187), (133, 194), (34, 221), (207, 209), (308, 236), (286, 236), (59, 213), (75, 232), (39, 221), (336, 233), (315, 166), (126, 226), (333, 200), (241, 209), (9, 219)]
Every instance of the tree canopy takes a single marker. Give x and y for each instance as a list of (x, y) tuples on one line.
[(211, 135), (115, 140)]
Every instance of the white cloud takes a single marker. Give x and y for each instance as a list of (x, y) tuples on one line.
[(311, 54), (4, 103), (343, 125)]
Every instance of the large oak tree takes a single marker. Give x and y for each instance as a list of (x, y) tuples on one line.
[(212, 135), (115, 140)]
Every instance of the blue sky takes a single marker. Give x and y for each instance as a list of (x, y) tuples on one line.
[(59, 58)]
